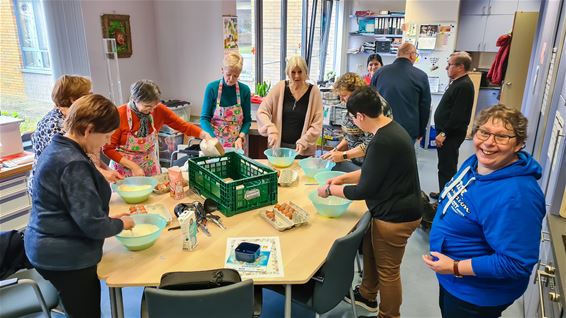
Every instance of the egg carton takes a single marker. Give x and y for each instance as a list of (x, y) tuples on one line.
[(157, 208), (281, 222)]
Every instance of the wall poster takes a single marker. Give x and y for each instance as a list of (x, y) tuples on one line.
[(230, 32)]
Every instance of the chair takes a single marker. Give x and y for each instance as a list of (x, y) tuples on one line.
[(235, 300), (334, 279), (26, 293)]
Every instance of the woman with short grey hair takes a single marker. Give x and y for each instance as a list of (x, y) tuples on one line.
[(133, 148)]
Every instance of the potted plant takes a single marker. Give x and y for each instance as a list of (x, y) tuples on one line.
[(261, 90)]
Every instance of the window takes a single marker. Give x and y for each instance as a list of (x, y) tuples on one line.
[(33, 38), (25, 87), (271, 39)]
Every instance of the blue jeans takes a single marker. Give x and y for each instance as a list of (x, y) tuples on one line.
[(450, 307), (346, 166)]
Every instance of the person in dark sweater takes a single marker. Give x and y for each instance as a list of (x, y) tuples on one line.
[(389, 183), (406, 89), (452, 117), (69, 217)]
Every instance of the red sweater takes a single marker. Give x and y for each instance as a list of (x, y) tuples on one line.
[(161, 116)]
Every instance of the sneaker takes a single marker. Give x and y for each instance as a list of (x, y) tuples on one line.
[(369, 305), (434, 195)]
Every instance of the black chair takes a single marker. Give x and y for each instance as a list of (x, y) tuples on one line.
[(235, 300), (334, 279)]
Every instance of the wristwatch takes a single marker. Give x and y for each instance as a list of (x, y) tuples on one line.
[(327, 191), (456, 271), (344, 156), (442, 134)]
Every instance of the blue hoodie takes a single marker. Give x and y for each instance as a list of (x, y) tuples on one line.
[(495, 220)]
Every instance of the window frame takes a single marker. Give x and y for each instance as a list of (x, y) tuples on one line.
[(37, 6)]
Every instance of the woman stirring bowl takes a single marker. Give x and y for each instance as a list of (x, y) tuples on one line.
[(133, 147)]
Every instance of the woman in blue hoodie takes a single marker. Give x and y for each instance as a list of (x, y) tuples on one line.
[(485, 237)]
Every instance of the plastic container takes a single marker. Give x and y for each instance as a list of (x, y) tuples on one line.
[(332, 206), (135, 196), (281, 157), (322, 177), (247, 252), (237, 183), (139, 243), (312, 166)]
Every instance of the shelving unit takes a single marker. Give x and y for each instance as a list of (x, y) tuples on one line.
[(384, 27)]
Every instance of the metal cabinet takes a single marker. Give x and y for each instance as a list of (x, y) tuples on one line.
[(479, 33), (15, 203), (529, 5), (487, 7)]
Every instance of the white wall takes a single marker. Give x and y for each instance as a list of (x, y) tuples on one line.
[(190, 46), (143, 62)]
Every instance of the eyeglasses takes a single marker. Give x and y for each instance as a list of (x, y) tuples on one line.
[(352, 116), (452, 64), (416, 54), (499, 139)]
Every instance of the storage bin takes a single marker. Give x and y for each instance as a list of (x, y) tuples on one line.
[(181, 109), (237, 183)]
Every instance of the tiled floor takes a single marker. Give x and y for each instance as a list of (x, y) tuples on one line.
[(420, 288)]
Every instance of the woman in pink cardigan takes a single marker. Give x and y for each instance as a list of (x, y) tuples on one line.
[(291, 114)]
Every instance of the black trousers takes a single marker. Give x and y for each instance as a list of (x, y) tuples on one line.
[(448, 158), (79, 290), (452, 307)]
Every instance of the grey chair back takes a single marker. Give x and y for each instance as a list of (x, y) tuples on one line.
[(25, 293), (235, 300), (334, 279)]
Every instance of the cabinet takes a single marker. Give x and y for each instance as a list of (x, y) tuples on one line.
[(15, 203), (488, 7), (479, 33)]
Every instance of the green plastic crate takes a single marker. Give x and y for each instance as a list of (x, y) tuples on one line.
[(254, 185)]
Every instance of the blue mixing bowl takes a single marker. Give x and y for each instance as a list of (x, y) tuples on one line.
[(138, 243)]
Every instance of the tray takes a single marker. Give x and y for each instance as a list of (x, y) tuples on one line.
[(281, 222)]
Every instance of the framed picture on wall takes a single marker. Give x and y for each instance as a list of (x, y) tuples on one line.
[(230, 32), (117, 26)]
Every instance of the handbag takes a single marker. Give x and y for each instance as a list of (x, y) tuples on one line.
[(199, 280)]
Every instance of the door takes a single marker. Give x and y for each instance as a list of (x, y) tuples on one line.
[(496, 26), (517, 66), (470, 33)]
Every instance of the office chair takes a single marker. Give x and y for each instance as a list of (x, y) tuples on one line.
[(235, 300), (328, 286), (26, 293)]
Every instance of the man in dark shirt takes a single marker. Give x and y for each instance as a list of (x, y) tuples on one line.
[(406, 89), (452, 117), (389, 183)]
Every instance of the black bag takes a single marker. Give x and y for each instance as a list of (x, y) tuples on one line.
[(12, 254), (199, 280)]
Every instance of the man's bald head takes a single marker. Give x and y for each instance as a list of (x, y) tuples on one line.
[(407, 50)]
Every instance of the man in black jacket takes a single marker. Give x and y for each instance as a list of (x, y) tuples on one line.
[(452, 117), (406, 89)]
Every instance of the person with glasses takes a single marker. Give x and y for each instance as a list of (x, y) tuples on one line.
[(485, 236), (226, 109), (133, 148), (350, 152), (291, 113), (406, 89), (389, 184), (452, 117)]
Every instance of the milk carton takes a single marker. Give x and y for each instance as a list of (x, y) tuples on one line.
[(188, 223)]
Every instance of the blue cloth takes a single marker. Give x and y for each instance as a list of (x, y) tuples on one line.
[(406, 89), (495, 220), (228, 98), (69, 216)]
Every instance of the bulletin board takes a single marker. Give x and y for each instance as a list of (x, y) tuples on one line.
[(435, 42)]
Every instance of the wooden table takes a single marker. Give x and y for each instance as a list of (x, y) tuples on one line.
[(303, 249)]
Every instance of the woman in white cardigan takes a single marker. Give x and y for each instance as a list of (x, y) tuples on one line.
[(291, 114)]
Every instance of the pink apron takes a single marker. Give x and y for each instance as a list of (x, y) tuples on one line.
[(227, 121), (140, 150)]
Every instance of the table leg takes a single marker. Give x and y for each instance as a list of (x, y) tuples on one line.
[(116, 302), (287, 301)]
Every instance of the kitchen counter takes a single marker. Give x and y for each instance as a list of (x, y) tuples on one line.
[(557, 229)]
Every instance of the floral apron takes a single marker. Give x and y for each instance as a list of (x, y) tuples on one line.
[(140, 150), (227, 121)]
